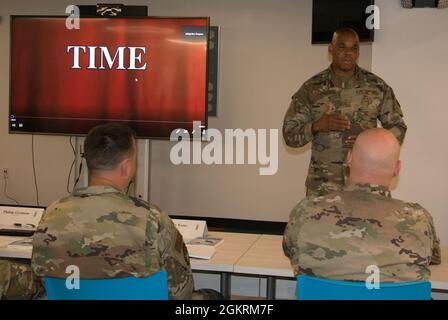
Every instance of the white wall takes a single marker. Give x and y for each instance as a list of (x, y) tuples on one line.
[(411, 53)]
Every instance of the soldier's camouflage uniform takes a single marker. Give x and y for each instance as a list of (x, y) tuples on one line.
[(337, 236), (364, 98), (107, 234), (17, 281)]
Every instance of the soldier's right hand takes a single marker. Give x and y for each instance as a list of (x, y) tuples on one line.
[(331, 122)]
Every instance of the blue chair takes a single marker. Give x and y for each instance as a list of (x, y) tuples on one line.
[(153, 287), (311, 288)]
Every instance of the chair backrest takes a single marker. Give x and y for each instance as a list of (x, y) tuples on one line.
[(153, 287), (311, 288)]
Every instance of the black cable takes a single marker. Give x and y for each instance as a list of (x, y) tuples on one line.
[(71, 145), (5, 193), (79, 172), (71, 167), (34, 170)]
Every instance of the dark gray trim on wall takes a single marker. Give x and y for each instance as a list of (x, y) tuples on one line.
[(213, 62)]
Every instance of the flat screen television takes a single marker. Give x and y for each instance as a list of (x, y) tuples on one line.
[(330, 15), (149, 73)]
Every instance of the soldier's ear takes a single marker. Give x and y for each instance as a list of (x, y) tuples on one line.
[(349, 157), (397, 168)]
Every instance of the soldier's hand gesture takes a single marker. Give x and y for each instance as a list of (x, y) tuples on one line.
[(331, 122)]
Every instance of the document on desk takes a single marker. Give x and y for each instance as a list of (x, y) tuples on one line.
[(202, 248), (204, 252), (195, 234), (213, 242), (25, 244)]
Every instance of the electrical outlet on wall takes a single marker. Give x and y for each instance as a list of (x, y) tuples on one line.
[(5, 173)]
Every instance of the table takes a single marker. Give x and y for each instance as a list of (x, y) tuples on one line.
[(248, 255), (266, 258), (235, 245), (439, 274)]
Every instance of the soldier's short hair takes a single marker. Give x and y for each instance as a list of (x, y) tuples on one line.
[(344, 30), (107, 145)]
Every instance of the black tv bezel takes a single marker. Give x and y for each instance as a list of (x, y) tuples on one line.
[(366, 40), (12, 17)]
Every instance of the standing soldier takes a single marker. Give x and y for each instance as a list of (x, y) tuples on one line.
[(332, 107)]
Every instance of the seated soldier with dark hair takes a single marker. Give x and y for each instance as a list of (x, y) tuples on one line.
[(105, 232)]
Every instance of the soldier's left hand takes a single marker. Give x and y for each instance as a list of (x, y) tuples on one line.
[(350, 141)]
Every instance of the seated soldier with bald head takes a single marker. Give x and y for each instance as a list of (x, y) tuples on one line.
[(339, 235)]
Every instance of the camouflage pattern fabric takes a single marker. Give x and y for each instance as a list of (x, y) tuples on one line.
[(17, 281), (108, 234), (207, 294), (364, 99), (339, 235)]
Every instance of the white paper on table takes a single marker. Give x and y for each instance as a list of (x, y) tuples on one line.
[(201, 251), (209, 241), (23, 244)]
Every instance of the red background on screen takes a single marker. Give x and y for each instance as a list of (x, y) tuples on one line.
[(170, 91)]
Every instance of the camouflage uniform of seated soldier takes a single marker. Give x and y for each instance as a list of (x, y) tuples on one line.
[(17, 281), (339, 235)]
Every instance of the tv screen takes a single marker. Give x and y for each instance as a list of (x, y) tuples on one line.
[(330, 15), (149, 73)]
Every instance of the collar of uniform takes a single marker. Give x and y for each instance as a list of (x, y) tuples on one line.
[(370, 188), (95, 190), (351, 82)]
